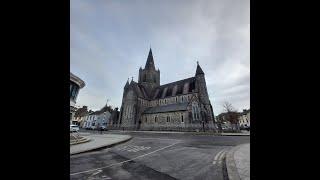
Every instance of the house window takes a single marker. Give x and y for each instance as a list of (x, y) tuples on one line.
[(155, 119), (168, 118), (176, 99), (181, 117), (146, 120)]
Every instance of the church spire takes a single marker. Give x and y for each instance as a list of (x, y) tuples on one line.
[(150, 62), (127, 84), (199, 70)]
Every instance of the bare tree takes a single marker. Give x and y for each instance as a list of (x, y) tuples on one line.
[(231, 115), (228, 107)]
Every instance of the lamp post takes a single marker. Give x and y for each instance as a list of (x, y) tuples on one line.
[(203, 125)]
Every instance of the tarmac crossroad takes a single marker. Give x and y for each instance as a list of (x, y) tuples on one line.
[(158, 156)]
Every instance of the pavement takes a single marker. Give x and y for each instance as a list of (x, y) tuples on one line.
[(98, 141), (236, 134), (158, 156), (238, 162)]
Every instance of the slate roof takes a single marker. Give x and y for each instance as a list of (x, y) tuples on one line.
[(167, 108), (139, 90), (159, 93)]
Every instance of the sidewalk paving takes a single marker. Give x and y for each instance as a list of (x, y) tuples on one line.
[(235, 134), (98, 141), (238, 162)]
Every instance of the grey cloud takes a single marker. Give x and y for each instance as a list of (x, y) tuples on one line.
[(110, 41)]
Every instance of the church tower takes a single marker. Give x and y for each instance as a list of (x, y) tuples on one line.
[(149, 77), (203, 94)]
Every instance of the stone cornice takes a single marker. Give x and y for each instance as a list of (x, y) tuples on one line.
[(77, 80)]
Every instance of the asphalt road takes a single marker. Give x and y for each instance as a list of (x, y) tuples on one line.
[(158, 156)]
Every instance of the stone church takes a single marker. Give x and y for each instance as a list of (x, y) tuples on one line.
[(182, 105)]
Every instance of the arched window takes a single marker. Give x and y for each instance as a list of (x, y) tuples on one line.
[(195, 111)]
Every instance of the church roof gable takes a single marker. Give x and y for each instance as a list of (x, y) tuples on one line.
[(167, 108), (168, 88)]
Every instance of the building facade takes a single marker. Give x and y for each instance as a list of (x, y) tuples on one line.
[(80, 115), (75, 85), (228, 121), (244, 118), (95, 120), (181, 105)]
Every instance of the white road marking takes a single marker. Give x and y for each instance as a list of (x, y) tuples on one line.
[(130, 148), (123, 161), (218, 157), (221, 155), (133, 148), (158, 139), (99, 171)]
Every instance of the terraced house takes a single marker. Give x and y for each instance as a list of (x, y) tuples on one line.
[(180, 105)]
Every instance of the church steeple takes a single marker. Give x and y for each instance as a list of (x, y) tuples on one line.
[(199, 70), (150, 62), (149, 77), (127, 84)]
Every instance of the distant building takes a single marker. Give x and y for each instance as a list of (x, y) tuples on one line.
[(179, 105), (228, 121), (80, 115), (95, 120), (244, 118), (75, 85)]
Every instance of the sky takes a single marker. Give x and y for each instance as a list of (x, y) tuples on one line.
[(110, 41)]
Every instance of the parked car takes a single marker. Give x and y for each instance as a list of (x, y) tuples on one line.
[(93, 128), (104, 128), (245, 127), (225, 128), (74, 128)]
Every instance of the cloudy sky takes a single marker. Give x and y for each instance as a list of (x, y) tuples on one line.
[(110, 40)]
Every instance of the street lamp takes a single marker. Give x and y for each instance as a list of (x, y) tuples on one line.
[(203, 125)]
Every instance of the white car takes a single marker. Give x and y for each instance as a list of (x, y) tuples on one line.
[(74, 128)]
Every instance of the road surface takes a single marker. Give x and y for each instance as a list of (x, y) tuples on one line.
[(158, 156)]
